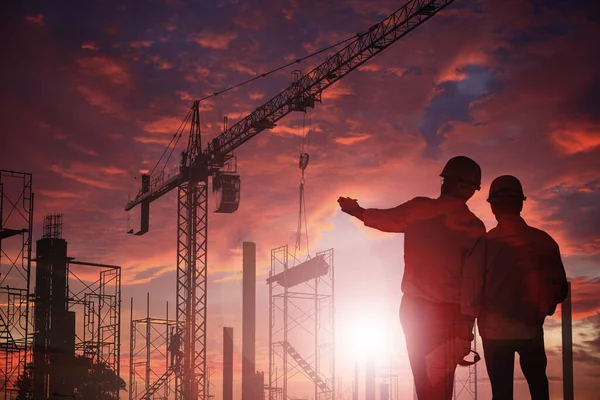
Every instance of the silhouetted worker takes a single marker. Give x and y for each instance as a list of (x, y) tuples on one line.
[(439, 233), (513, 279), (174, 346)]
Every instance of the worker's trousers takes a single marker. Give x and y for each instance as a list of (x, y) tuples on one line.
[(500, 361), (426, 327)]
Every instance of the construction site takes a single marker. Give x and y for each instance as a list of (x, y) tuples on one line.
[(61, 312)]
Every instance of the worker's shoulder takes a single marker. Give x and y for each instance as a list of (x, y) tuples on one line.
[(541, 236), (423, 200), (419, 202), (476, 222)]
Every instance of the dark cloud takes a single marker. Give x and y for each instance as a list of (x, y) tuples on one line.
[(585, 296), (578, 207), (587, 349), (585, 104), (453, 100)]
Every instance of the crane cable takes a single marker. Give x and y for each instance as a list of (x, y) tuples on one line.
[(177, 135), (302, 164), (296, 61)]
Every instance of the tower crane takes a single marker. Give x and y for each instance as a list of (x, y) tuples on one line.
[(198, 164)]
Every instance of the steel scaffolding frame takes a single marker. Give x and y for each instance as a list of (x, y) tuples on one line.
[(306, 309), (99, 300), (392, 382), (465, 383), (16, 230), (152, 356)]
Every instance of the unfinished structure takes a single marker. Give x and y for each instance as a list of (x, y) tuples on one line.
[(77, 309), (301, 328), (16, 227), (149, 356)]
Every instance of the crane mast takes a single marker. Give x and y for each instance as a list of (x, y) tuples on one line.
[(198, 165)]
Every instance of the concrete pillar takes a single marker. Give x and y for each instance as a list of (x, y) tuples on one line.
[(248, 320), (370, 385), (227, 363), (567, 347)]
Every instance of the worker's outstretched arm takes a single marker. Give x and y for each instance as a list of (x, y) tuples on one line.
[(386, 220)]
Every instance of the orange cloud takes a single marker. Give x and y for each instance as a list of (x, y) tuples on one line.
[(214, 40), (99, 99), (105, 67), (80, 172), (256, 95), (198, 73), (89, 45), (349, 140), (139, 44), (369, 67), (236, 66), (164, 125), (575, 137)]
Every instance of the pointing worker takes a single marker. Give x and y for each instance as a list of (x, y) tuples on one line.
[(439, 233), (513, 280)]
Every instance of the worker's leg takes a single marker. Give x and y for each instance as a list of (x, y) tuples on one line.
[(500, 363), (425, 330), (533, 364), (442, 326), (415, 346)]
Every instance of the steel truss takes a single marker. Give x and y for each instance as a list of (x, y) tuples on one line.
[(16, 227), (96, 298), (191, 289), (150, 375), (301, 329)]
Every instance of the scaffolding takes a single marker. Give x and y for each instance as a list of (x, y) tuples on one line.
[(97, 297), (150, 373), (301, 324), (390, 382), (465, 379), (16, 227)]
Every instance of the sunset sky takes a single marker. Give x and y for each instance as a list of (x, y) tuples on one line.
[(92, 92)]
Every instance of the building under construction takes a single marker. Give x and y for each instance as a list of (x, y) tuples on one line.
[(74, 308), (77, 308)]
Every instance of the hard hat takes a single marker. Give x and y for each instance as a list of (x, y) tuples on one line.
[(506, 185), (463, 169)]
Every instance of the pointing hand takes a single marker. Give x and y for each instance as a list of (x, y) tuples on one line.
[(350, 206)]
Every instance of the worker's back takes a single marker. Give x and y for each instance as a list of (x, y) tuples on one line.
[(439, 233), (523, 279)]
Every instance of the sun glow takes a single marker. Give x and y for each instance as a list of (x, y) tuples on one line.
[(367, 334)]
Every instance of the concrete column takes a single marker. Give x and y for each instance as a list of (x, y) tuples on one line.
[(567, 347), (248, 320), (227, 363)]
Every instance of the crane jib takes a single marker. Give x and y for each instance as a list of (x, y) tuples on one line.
[(366, 46)]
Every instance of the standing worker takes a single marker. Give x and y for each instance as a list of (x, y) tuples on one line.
[(174, 346), (513, 279), (439, 233)]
